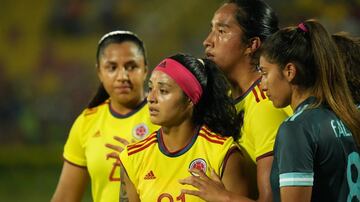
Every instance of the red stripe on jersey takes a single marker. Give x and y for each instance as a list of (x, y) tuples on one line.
[(261, 92), (211, 140), (256, 95), (142, 148), (208, 132), (141, 143)]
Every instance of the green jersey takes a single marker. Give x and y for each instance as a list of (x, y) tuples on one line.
[(314, 148)]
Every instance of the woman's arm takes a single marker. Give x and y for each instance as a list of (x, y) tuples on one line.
[(263, 178), (234, 175), (128, 190), (296, 194), (72, 183)]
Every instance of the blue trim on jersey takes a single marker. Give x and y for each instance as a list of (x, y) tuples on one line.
[(298, 111), (166, 152), (236, 100), (122, 116), (301, 108), (296, 179)]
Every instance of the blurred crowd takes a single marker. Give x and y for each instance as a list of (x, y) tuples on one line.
[(47, 50)]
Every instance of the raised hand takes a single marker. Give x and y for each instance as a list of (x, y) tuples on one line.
[(209, 189), (118, 148)]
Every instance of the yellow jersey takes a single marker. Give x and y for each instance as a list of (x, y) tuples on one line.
[(85, 146), (261, 122), (155, 171)]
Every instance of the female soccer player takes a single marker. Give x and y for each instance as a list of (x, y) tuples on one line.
[(316, 155), (316, 151), (188, 99), (117, 113), (238, 29)]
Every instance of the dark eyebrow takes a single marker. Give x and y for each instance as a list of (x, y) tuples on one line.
[(161, 84), (220, 24), (111, 62), (164, 84), (130, 62)]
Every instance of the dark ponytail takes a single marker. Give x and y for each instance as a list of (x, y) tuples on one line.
[(100, 96), (331, 87), (215, 108)]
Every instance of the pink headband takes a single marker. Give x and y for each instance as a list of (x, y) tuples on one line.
[(303, 27), (183, 77)]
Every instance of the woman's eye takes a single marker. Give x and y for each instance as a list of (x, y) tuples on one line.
[(163, 91)]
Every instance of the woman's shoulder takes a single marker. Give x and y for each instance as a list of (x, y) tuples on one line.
[(142, 145), (310, 114), (94, 110), (89, 115), (211, 137)]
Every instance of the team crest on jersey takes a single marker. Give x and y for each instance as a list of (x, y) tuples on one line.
[(199, 164), (140, 131)]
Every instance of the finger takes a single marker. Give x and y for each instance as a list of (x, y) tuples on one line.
[(114, 147), (114, 155), (200, 173), (192, 180), (122, 140), (215, 176), (191, 192)]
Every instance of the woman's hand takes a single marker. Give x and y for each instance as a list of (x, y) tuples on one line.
[(209, 189), (118, 148)]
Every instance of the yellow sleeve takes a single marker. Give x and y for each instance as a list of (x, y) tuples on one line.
[(127, 163), (265, 119), (230, 147), (74, 151)]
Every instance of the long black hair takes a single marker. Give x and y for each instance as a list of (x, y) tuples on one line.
[(116, 37), (215, 108)]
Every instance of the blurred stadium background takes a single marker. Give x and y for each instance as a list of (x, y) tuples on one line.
[(47, 72)]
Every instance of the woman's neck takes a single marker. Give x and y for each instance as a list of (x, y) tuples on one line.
[(241, 80), (298, 96), (125, 108), (177, 137)]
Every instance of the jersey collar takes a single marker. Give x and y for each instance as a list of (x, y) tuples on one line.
[(122, 116), (308, 101), (166, 152), (241, 97)]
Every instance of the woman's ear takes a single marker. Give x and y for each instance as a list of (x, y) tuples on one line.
[(190, 103), (289, 72), (254, 44)]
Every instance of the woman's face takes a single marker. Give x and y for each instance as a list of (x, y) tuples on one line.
[(168, 104), (274, 83), (122, 72), (224, 43)]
